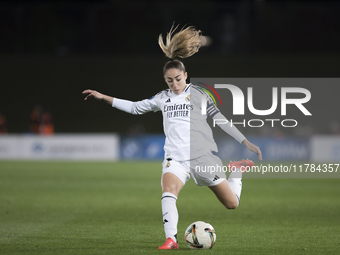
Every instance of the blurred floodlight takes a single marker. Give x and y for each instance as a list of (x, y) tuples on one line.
[(206, 40)]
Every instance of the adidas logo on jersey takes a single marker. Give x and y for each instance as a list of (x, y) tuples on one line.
[(168, 101)]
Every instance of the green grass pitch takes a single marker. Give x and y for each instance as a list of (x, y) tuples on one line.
[(115, 208)]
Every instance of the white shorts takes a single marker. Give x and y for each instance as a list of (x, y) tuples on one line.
[(203, 169)]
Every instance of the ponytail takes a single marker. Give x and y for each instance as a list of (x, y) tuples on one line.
[(183, 44)]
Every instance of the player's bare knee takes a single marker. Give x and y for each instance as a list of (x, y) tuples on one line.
[(171, 183), (172, 188), (230, 205)]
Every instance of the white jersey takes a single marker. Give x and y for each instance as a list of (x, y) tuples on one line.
[(188, 135)]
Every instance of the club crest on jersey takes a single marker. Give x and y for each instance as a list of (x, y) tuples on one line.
[(187, 99), (168, 165)]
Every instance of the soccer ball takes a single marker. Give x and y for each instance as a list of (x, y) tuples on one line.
[(200, 235)]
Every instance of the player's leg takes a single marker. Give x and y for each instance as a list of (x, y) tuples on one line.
[(171, 183), (208, 170), (226, 195), (173, 179), (171, 186), (229, 192)]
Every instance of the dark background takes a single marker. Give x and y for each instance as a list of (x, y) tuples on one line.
[(50, 51)]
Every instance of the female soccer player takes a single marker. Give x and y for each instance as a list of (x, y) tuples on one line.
[(189, 142)]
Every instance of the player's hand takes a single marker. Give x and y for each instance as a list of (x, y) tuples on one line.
[(93, 94), (253, 147)]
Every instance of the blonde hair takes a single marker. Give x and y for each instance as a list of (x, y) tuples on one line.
[(183, 44)]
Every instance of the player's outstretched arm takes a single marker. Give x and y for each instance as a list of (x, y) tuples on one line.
[(253, 147), (99, 96)]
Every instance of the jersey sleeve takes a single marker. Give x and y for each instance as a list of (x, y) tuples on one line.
[(215, 114), (136, 108), (146, 105), (212, 110)]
